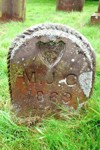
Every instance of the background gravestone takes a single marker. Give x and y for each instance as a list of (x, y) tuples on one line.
[(12, 10), (50, 65), (95, 18), (70, 5)]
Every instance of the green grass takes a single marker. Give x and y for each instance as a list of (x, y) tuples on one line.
[(79, 130)]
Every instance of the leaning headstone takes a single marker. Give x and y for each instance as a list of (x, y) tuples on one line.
[(70, 5), (95, 18), (49, 66)]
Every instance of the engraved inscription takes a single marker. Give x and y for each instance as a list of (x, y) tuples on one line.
[(66, 97), (29, 77), (71, 79), (40, 96), (49, 77), (54, 96)]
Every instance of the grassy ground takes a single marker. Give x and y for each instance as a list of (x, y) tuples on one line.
[(79, 131)]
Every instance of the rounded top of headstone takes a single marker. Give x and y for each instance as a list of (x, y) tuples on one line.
[(54, 31)]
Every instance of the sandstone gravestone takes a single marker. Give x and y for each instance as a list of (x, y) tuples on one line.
[(50, 65), (70, 5), (12, 10), (95, 18)]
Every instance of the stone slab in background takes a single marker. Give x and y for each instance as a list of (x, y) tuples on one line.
[(95, 18), (70, 5), (12, 10), (50, 65)]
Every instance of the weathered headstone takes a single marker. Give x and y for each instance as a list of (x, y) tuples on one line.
[(50, 65), (95, 18), (70, 5), (12, 10)]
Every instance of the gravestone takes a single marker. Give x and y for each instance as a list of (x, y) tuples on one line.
[(95, 18), (12, 10), (50, 66), (70, 5)]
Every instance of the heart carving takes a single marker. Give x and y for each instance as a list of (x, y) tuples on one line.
[(51, 52)]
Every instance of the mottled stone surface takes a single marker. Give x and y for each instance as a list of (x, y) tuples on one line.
[(70, 5), (95, 18), (12, 10), (50, 65)]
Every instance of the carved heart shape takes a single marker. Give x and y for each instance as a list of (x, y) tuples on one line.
[(51, 52)]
